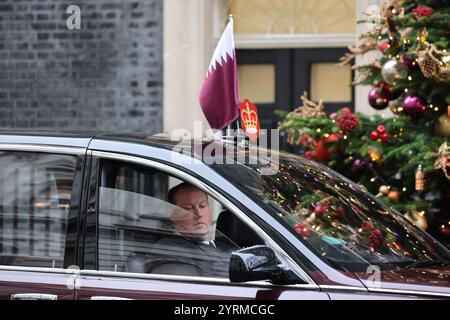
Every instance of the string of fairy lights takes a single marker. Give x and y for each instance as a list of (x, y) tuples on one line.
[(411, 80), (386, 189)]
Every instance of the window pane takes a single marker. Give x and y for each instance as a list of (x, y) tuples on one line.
[(141, 231), (35, 191), (347, 228), (257, 82), (331, 82)]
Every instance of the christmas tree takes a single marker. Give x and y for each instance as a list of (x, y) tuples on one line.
[(404, 159)]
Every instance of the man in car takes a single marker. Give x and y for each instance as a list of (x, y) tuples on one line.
[(192, 218), (191, 251)]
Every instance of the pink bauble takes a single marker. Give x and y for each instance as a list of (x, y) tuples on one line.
[(357, 165), (414, 106), (377, 99)]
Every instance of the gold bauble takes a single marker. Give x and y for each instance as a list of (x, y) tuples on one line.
[(442, 126), (374, 154), (395, 104), (394, 196)]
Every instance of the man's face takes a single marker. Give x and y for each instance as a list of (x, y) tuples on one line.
[(195, 220)]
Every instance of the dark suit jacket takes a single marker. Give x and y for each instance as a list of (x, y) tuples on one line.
[(182, 256)]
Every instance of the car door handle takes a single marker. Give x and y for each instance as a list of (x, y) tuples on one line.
[(108, 298), (33, 296)]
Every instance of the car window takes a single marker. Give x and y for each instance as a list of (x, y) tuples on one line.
[(35, 192), (348, 228), (141, 231)]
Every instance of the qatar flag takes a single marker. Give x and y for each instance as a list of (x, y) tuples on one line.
[(219, 94)]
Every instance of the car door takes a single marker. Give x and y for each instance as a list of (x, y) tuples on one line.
[(39, 202), (124, 218)]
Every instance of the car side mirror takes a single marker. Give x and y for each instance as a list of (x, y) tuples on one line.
[(259, 263)]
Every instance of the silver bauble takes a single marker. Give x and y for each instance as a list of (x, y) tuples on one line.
[(393, 70)]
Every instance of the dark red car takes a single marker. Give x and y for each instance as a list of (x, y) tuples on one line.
[(81, 217)]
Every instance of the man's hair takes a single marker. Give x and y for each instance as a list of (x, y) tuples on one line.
[(174, 190)]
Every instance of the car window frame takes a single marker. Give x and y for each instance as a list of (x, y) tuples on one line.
[(90, 263), (70, 261)]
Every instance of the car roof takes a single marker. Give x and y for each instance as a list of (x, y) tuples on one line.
[(81, 138)]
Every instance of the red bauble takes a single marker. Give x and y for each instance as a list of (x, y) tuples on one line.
[(374, 135), (367, 226), (414, 106), (303, 229), (381, 129), (388, 91), (385, 137), (311, 155), (377, 99), (321, 151), (334, 137), (321, 209), (380, 133), (383, 46), (339, 214), (375, 238)]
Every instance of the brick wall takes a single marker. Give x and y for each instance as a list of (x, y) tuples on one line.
[(106, 76)]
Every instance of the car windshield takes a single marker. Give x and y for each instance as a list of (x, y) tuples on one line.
[(346, 227)]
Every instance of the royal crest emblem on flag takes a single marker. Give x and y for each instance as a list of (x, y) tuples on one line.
[(250, 120)]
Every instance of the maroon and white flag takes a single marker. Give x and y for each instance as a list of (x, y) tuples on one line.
[(219, 94)]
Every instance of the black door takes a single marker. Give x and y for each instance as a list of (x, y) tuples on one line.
[(292, 71)]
